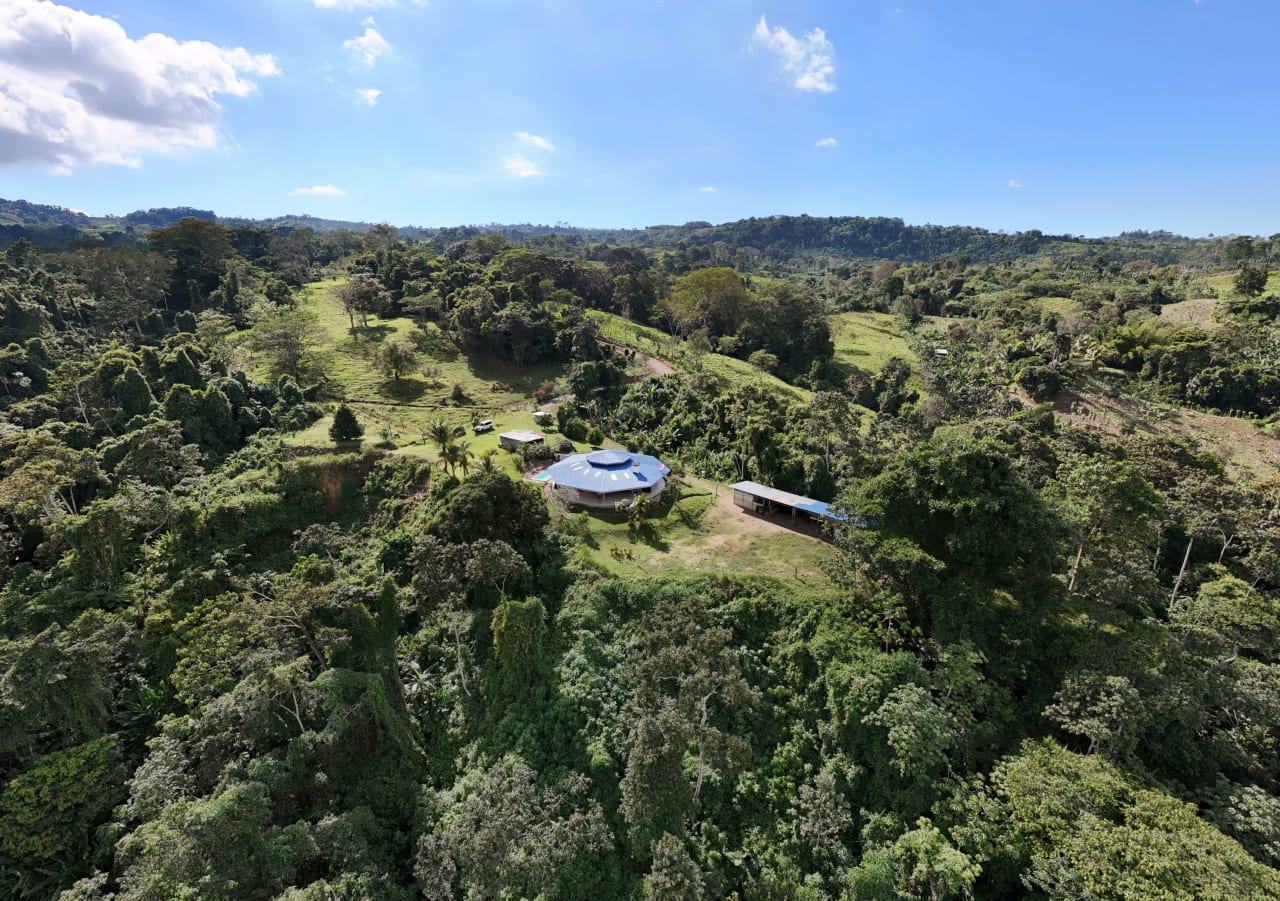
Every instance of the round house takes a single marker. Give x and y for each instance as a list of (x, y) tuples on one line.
[(602, 478)]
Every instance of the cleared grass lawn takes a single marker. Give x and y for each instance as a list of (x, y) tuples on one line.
[(1062, 306), (868, 340), (405, 407), (703, 533), (729, 371)]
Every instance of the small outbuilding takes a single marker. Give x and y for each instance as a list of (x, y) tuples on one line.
[(762, 499), (516, 439), (603, 478)]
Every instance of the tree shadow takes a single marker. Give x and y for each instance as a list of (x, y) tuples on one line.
[(403, 390), (435, 344), (648, 535), (372, 333)]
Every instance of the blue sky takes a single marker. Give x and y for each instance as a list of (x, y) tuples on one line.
[(1087, 117)]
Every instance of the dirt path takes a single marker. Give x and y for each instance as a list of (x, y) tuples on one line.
[(652, 365)]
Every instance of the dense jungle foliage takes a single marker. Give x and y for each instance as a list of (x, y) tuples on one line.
[(239, 665)]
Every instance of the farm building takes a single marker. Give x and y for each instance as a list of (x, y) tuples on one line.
[(759, 498), (602, 478), (516, 439)]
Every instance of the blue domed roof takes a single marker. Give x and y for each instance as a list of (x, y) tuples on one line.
[(607, 472), (609, 458)]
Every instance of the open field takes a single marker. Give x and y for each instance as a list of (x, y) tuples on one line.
[(703, 533), (1192, 312), (868, 340), (1223, 284), (1062, 306), (405, 407), (1246, 450), (729, 371)]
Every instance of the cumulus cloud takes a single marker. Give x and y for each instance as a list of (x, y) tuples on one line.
[(826, 142), (351, 5), (534, 141), (76, 90), (369, 46), (1014, 183), (809, 61), (369, 95), (318, 191), (520, 166), (708, 189)]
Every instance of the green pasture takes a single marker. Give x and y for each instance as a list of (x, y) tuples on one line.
[(868, 340), (729, 371), (702, 533)]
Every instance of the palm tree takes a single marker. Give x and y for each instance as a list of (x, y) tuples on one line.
[(488, 463), (463, 456), (454, 455), (442, 433)]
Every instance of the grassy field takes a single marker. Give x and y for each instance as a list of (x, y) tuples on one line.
[(868, 340), (405, 407), (1062, 306), (703, 533), (729, 371), (1222, 284)]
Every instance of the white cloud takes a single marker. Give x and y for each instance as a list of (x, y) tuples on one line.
[(520, 166), (826, 142), (369, 95), (809, 60), (707, 189), (353, 4), (369, 46), (76, 90), (318, 191), (1014, 183), (534, 141)]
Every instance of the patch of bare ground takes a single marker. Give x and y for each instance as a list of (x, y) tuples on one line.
[(1246, 451), (1198, 311), (651, 365)]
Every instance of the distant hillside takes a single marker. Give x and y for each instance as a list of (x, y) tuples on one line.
[(858, 237), (781, 238), (39, 215)]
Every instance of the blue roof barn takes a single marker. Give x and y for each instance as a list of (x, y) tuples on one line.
[(602, 478)]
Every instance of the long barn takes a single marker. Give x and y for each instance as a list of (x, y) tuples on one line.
[(759, 498)]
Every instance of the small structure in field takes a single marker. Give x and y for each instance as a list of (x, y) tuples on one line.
[(516, 439), (762, 499), (602, 478)]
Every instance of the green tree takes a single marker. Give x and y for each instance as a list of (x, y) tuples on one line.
[(504, 836), (364, 296), (1251, 280), (673, 876), (394, 357), (284, 338), (717, 298), (346, 427)]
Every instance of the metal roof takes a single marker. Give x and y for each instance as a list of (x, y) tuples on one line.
[(524, 436), (807, 504), (607, 472)]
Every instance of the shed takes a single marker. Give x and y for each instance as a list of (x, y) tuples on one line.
[(762, 499), (516, 439), (602, 478)]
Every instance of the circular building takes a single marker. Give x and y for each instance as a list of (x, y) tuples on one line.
[(602, 478)]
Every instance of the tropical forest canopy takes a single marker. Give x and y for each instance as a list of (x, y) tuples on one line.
[(272, 625)]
